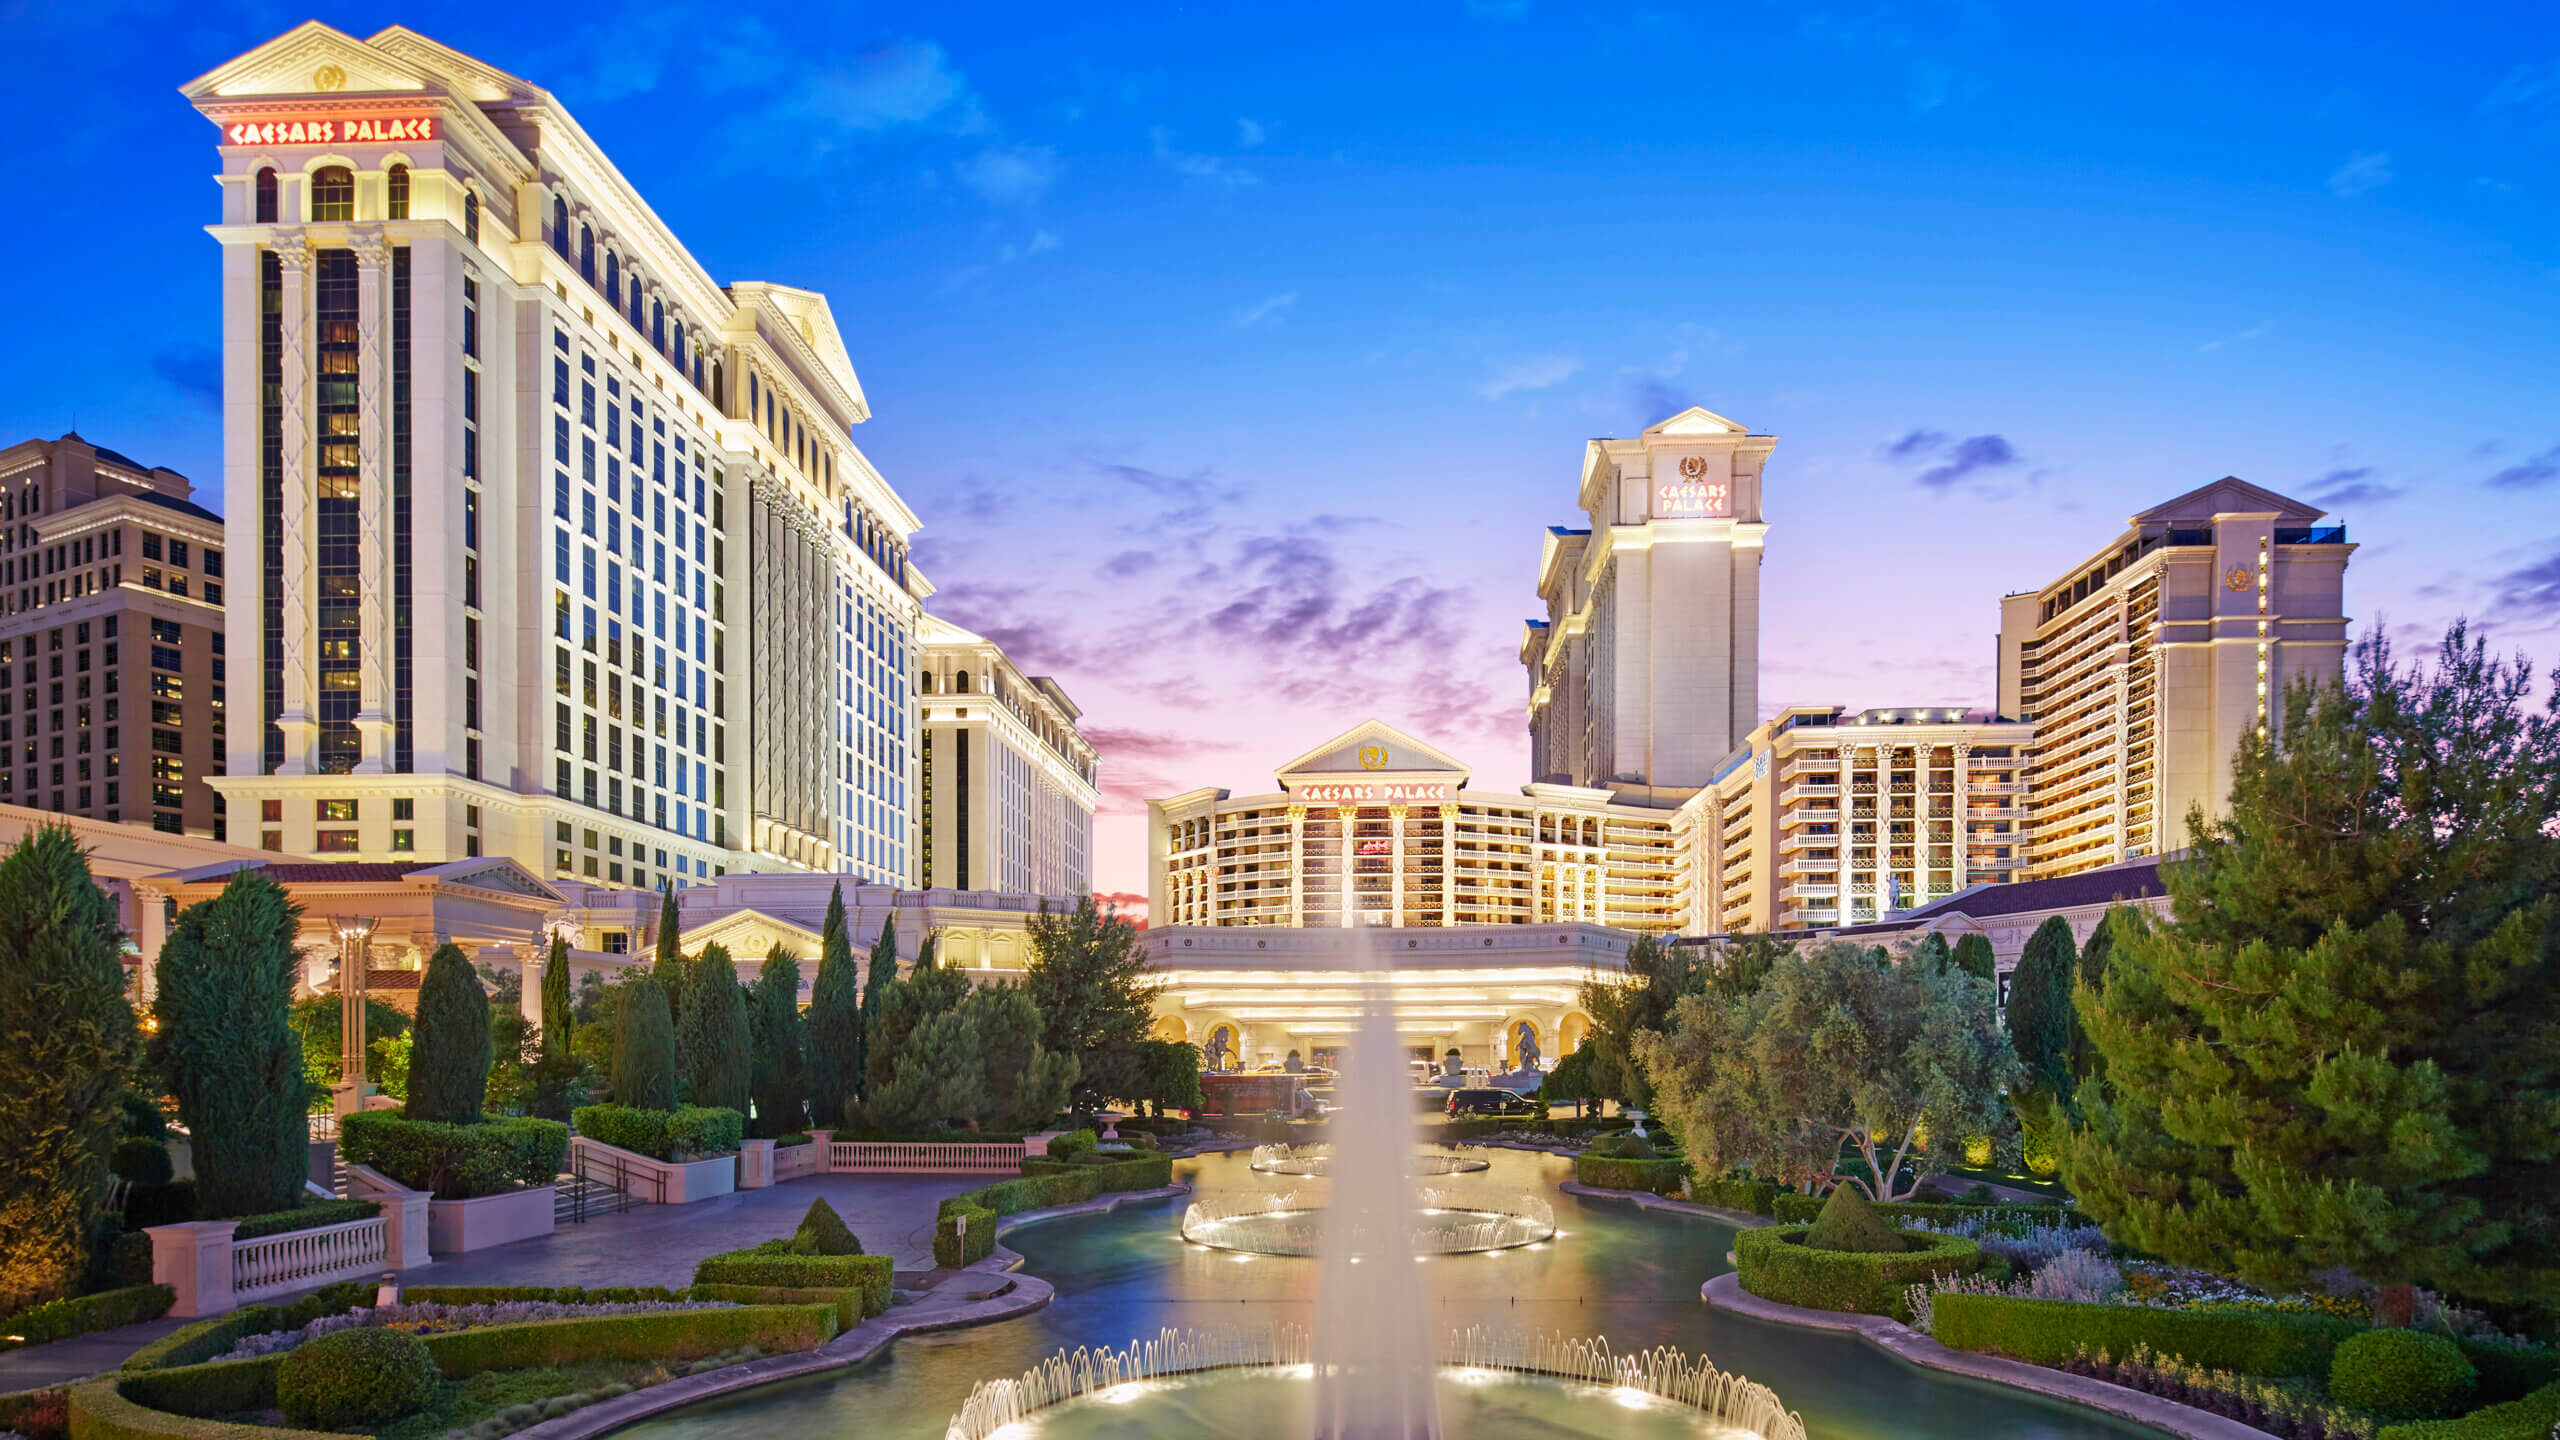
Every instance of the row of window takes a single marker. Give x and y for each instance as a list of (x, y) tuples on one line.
[(333, 198)]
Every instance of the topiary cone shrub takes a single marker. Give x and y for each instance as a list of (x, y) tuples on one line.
[(1848, 1223), (823, 1232), (2402, 1375), (355, 1378)]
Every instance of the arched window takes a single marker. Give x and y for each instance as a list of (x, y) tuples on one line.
[(471, 216), (333, 193), (587, 253), (676, 351), (635, 298), (927, 680), (396, 194), (560, 225), (266, 196), (613, 280), (658, 326), (960, 683), (719, 389)]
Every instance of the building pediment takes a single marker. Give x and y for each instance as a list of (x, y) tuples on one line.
[(309, 59), (1373, 748), (749, 934), (490, 873), (1697, 420), (2228, 496)]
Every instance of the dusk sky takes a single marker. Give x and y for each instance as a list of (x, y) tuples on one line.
[(1236, 357)]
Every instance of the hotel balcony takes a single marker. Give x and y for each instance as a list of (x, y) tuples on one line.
[(1809, 890), (1826, 868), (1995, 787)]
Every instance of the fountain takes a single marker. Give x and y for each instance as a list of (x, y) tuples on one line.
[(1440, 1220), (1316, 1161)]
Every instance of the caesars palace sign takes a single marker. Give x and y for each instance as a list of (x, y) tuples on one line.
[(349, 130), (1372, 792)]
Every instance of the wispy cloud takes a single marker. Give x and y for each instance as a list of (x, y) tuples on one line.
[(2531, 83), (1956, 461), (2531, 593), (1269, 308), (1248, 132), (1527, 372), (2356, 486), (2530, 474), (1010, 174), (1215, 169), (2259, 331), (2364, 173), (1912, 444)]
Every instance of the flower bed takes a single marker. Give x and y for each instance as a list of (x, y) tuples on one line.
[(1775, 1264), (62, 1319), (431, 1318), (2286, 1409), (679, 1136), (457, 1162)]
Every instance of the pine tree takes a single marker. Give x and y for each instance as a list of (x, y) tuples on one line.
[(835, 1032), (226, 1046), (2040, 1007), (1025, 1085), (877, 985), (781, 1069), (449, 1061), (1973, 957), (2086, 1063), (644, 1047), (1090, 982), (674, 975), (67, 1043), (2338, 1050), (723, 1063)]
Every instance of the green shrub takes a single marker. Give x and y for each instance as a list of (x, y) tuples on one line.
[(693, 1132), (129, 1260), (1031, 1192), (556, 1294), (963, 1236), (1626, 1145), (2511, 1372), (1660, 1177), (1776, 1264), (823, 1232), (100, 1410), (1737, 1192), (797, 1272), (1849, 1224), (656, 1335), (851, 1306), (141, 1160), (456, 1162), (308, 1217), (2049, 1332), (349, 1378), (2401, 1375), (450, 1053), (1072, 1144), (1793, 1209), (2529, 1418), (61, 1319)]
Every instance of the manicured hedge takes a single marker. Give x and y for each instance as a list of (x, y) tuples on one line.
[(2530, 1418), (1064, 1184), (308, 1217), (1752, 1197), (99, 1412), (555, 1294), (456, 1162), (869, 1274), (62, 1319), (853, 1305), (687, 1133), (2049, 1332), (1792, 1209), (219, 1387), (1660, 1177), (1776, 1265), (2511, 1372), (955, 1245), (205, 1339)]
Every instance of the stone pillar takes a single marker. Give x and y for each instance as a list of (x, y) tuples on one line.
[(373, 512), (1395, 863), (826, 1156), (1346, 852), (194, 1260), (404, 1215), (1297, 866), (1448, 866), (755, 1165), (1964, 815), (298, 719), (150, 932)]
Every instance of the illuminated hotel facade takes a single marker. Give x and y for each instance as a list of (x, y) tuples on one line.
[(1008, 780), (544, 543)]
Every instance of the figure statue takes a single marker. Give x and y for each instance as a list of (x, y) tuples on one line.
[(1293, 1065), (1218, 1041), (1528, 1046)]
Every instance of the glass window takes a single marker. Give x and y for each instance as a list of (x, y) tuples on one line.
[(587, 253), (397, 195), (266, 197), (613, 279), (471, 217), (333, 193), (560, 225)]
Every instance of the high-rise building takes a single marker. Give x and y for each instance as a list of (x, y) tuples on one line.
[(1008, 781), (112, 683), (1644, 673), (2144, 665), (548, 544), (1827, 818)]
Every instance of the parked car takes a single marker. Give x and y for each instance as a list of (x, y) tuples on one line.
[(1498, 1104)]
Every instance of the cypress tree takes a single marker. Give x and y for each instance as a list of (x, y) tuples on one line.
[(884, 961), (836, 1035), (67, 1041), (227, 1050), (781, 1069), (675, 976), (2094, 958), (557, 1023), (722, 1064), (644, 1047), (876, 988), (1973, 957), (1932, 951), (2040, 1007), (449, 1060)]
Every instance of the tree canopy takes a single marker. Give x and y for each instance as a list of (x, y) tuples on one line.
[(1089, 982), (781, 1060), (227, 1050), (836, 1039), (644, 1046), (1625, 1006), (723, 1048), (449, 1058)]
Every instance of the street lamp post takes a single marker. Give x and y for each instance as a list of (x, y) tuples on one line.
[(355, 932)]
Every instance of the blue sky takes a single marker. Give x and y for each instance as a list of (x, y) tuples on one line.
[(1236, 356)]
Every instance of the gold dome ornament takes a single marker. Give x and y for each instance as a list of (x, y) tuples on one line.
[(328, 77)]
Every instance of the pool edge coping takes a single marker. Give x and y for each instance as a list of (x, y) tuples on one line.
[(1020, 1295), (1724, 1292)]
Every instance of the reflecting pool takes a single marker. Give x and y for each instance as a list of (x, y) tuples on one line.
[(1611, 1270)]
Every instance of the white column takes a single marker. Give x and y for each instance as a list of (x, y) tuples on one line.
[(1964, 814), (1297, 866), (298, 722), (1448, 866), (373, 510), (1395, 864)]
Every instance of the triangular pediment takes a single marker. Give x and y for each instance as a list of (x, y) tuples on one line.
[(2229, 495), (1698, 420), (491, 873), (1374, 747), (309, 59), (748, 934)]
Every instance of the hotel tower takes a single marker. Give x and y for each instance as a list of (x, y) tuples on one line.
[(544, 543)]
